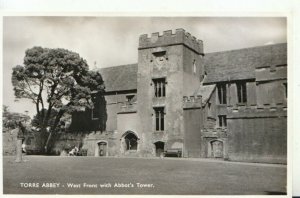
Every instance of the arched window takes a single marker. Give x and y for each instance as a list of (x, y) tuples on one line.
[(131, 141)]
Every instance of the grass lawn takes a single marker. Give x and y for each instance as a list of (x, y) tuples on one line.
[(163, 176)]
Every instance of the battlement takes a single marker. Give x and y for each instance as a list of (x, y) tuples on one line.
[(267, 110), (268, 73), (192, 102), (180, 37)]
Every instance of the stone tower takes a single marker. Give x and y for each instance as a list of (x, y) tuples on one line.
[(170, 66)]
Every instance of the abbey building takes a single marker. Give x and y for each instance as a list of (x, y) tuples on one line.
[(178, 99)]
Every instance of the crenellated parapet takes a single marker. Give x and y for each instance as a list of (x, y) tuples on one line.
[(268, 73), (192, 102), (253, 111), (180, 37)]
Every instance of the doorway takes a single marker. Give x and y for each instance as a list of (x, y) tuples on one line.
[(102, 149), (159, 148), (217, 149), (131, 142)]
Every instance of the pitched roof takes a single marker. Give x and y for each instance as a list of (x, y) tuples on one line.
[(240, 64), (120, 78), (220, 66), (205, 91)]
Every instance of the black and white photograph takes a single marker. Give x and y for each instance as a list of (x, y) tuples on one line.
[(145, 105)]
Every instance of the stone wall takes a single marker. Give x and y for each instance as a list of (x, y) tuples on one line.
[(32, 141), (9, 139), (258, 135), (92, 140), (210, 135), (193, 123), (114, 103), (127, 122), (88, 141), (192, 76), (271, 86)]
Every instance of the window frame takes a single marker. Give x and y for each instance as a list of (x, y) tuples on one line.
[(222, 93), (241, 88), (159, 119), (222, 121), (159, 85)]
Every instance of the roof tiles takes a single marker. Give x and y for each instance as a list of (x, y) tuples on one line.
[(120, 78), (240, 64)]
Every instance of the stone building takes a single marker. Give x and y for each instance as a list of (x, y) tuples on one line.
[(230, 104)]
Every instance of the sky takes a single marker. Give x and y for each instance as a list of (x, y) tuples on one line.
[(111, 41)]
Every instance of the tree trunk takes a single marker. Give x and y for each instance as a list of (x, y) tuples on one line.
[(47, 143), (52, 130)]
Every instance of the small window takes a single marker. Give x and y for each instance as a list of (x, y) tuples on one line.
[(241, 92), (194, 67), (222, 95), (222, 121), (159, 119), (129, 98), (159, 87), (285, 89)]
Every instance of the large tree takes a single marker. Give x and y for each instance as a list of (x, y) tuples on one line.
[(55, 80)]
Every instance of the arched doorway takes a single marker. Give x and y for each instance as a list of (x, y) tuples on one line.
[(101, 149), (216, 149), (159, 148), (131, 141)]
